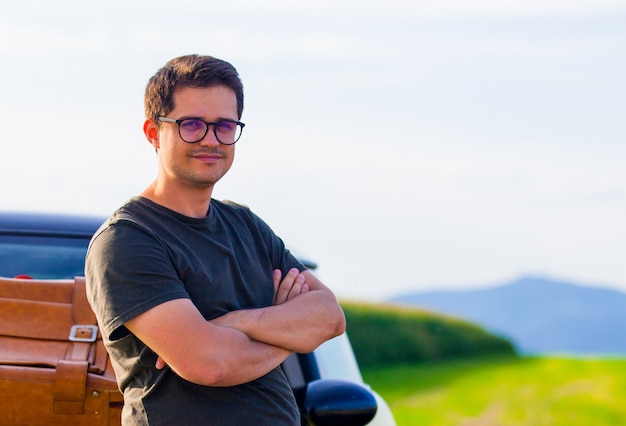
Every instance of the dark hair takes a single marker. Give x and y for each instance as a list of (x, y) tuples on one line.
[(189, 71)]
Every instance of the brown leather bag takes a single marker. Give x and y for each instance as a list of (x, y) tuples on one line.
[(54, 369)]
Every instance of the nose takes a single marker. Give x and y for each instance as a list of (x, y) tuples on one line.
[(209, 137)]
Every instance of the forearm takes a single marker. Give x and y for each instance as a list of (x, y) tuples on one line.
[(300, 325), (238, 359), (200, 351)]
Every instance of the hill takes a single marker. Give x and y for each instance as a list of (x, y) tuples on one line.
[(539, 315), (387, 335)]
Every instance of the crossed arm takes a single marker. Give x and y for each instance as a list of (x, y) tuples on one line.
[(242, 345)]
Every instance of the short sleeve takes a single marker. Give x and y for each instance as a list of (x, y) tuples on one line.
[(128, 272)]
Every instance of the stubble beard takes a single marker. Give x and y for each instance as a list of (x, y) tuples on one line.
[(194, 179)]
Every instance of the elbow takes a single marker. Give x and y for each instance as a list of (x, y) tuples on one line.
[(340, 324), (213, 377), (207, 376), (335, 326), (335, 320)]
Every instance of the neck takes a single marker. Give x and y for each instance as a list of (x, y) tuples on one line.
[(192, 202)]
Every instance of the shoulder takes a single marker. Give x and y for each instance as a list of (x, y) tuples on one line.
[(241, 213), (229, 204), (138, 212), (127, 222), (230, 208)]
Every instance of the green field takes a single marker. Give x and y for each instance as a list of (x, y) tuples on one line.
[(505, 391)]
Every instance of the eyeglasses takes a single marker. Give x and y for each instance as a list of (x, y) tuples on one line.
[(192, 130)]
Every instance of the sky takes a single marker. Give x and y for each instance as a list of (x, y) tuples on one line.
[(404, 146)]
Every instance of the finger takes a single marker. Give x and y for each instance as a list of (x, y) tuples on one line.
[(282, 294), (297, 287), (160, 363), (277, 274)]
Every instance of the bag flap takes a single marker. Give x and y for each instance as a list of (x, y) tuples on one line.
[(43, 309)]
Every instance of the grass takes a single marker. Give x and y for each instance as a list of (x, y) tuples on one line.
[(511, 391)]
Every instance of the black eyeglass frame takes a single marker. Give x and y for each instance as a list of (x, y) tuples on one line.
[(206, 130)]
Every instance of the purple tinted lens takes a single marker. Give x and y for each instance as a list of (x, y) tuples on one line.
[(227, 132), (192, 130)]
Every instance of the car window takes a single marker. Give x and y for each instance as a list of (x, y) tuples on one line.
[(42, 257)]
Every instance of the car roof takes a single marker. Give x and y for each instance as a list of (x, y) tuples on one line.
[(49, 224), (65, 225)]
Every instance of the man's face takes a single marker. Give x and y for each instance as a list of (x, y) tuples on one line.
[(203, 163)]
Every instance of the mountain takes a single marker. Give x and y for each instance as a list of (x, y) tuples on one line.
[(539, 315)]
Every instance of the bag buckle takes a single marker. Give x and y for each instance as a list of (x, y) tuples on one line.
[(83, 333)]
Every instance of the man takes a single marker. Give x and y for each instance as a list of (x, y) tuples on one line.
[(198, 300)]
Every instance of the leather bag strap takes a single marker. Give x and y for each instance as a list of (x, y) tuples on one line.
[(83, 315), (70, 379), (70, 384)]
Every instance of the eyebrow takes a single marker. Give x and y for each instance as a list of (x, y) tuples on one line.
[(202, 119)]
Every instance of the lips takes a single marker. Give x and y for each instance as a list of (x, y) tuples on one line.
[(207, 156)]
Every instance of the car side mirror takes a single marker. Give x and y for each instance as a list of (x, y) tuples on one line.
[(330, 402)]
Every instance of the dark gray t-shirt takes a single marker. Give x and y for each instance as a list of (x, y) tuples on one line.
[(145, 255)]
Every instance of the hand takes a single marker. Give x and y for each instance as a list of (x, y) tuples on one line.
[(160, 363), (292, 285)]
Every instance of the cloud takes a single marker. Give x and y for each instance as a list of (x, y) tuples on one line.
[(27, 39), (419, 8), (243, 43)]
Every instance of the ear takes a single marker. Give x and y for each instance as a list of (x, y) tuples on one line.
[(151, 131)]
